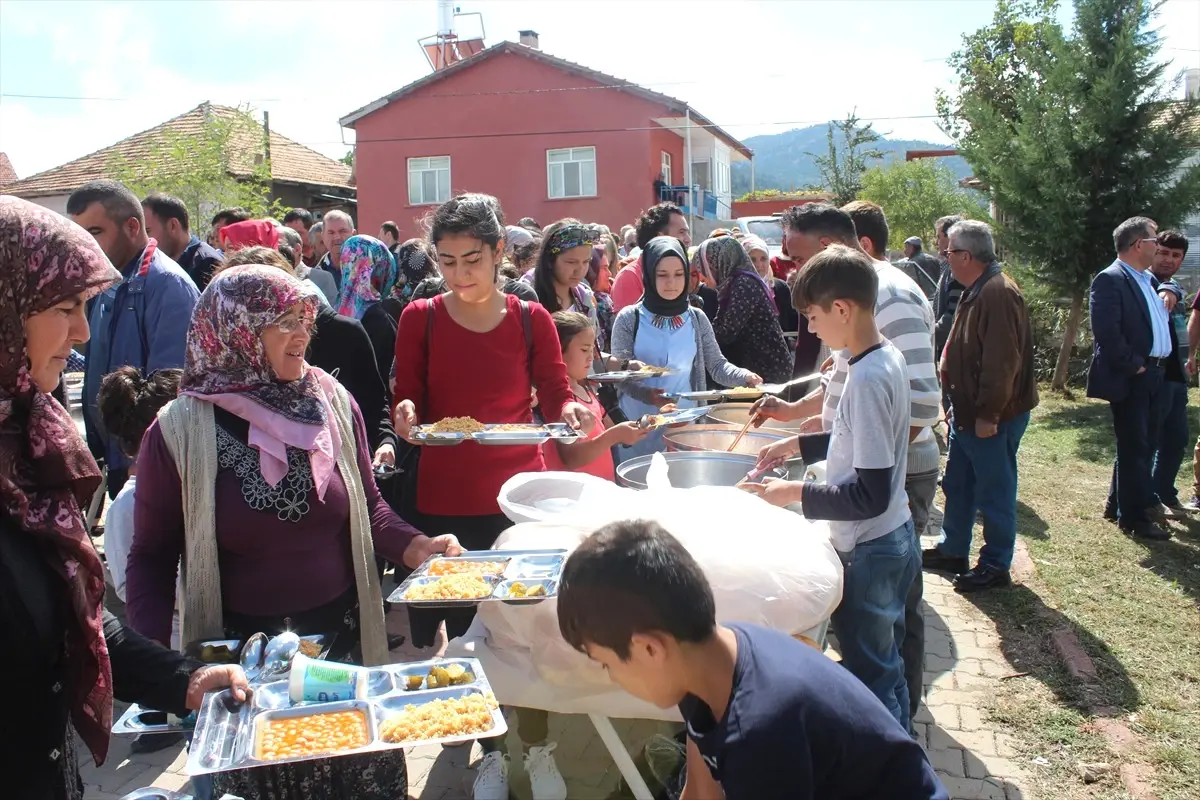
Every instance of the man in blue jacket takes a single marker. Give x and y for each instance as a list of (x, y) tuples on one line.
[(140, 322), (1133, 350)]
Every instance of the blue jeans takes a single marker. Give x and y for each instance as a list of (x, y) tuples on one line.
[(870, 619), (1172, 441), (981, 475)]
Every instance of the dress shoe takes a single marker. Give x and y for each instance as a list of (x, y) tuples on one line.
[(982, 577), (1110, 514), (937, 561), (1146, 530), (1161, 513)]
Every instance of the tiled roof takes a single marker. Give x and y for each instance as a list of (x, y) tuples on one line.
[(676, 106), (7, 173), (291, 162)]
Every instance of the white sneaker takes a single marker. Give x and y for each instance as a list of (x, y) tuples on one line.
[(491, 779), (545, 781)]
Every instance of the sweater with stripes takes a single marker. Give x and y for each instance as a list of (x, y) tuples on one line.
[(905, 318)]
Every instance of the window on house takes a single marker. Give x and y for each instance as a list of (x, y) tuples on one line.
[(666, 168), (701, 176), (571, 172), (428, 180)]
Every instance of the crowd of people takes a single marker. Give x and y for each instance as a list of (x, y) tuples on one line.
[(250, 402)]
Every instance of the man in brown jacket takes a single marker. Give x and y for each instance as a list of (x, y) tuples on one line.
[(987, 371)]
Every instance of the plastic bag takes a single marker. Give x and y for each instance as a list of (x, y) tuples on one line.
[(767, 566)]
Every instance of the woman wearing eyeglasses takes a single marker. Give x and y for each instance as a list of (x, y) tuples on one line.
[(259, 478)]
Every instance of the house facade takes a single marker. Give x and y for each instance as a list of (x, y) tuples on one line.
[(549, 138), (300, 176)]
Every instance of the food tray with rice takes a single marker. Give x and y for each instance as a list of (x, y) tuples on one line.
[(517, 577), (456, 430), (138, 720), (379, 708)]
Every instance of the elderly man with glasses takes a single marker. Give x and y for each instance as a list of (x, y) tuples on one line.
[(1131, 362), (987, 372)]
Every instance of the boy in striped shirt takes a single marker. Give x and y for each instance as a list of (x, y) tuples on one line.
[(905, 318)]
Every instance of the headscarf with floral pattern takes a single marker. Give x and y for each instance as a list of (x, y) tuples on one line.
[(46, 472), (227, 364), (368, 274)]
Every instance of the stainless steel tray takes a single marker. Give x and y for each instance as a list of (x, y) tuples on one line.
[(228, 739), (743, 393), (673, 418), (139, 720), (501, 434), (625, 375), (532, 567)]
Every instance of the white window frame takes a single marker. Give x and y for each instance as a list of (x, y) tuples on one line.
[(574, 155), (419, 167), (664, 166)]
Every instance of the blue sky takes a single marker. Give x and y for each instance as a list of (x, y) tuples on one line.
[(310, 62)]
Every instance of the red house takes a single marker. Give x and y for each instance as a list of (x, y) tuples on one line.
[(549, 138)]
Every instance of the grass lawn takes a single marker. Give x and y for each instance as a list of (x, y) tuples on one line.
[(1135, 607)]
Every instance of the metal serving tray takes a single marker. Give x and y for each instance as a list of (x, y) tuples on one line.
[(741, 393), (625, 375), (501, 434), (541, 567), (679, 417), (138, 720), (227, 737)]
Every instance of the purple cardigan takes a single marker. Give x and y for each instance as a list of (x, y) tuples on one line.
[(268, 567)]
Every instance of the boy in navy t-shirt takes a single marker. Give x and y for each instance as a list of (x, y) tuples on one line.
[(767, 716)]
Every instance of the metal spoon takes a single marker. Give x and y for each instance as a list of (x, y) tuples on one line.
[(253, 652), (277, 658)]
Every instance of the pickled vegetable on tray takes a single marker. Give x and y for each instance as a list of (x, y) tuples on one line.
[(440, 678), (521, 590), (312, 734), (439, 719)]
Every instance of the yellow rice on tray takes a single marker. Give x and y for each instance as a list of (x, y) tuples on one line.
[(451, 587), (439, 719)]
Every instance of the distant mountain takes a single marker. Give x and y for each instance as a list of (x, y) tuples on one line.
[(782, 160)]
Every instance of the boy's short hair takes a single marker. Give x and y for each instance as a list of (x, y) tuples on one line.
[(633, 577), (1173, 240), (836, 273)]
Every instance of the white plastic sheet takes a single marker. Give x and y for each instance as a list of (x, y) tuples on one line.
[(767, 566)]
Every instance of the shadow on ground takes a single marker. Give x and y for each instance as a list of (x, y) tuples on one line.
[(1177, 561), (1092, 424), (1029, 523), (1025, 624)]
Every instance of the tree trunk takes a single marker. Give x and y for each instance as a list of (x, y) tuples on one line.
[(1068, 343)]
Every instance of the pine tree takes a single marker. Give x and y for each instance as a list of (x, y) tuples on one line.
[(1073, 134)]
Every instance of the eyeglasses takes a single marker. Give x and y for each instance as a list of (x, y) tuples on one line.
[(952, 252), (290, 325)]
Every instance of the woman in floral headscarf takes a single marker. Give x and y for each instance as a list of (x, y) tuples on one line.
[(69, 655), (414, 264), (259, 479), (747, 323), (368, 275)]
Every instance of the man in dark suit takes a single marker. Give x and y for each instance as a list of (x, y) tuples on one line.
[(1133, 345)]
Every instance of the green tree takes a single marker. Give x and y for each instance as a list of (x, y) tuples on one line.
[(1073, 134), (224, 163), (348, 159), (850, 153), (914, 194)]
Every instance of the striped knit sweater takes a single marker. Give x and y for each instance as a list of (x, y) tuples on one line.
[(905, 318)]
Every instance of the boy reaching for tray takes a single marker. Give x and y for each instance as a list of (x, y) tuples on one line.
[(866, 455), (768, 718)]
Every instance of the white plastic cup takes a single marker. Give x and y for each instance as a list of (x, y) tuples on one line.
[(314, 681)]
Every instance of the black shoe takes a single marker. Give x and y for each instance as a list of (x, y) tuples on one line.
[(982, 577), (153, 742), (937, 561), (1110, 514), (1146, 530)]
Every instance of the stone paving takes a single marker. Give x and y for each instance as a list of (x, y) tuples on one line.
[(975, 758)]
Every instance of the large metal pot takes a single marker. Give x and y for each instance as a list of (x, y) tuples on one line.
[(718, 438), (738, 413), (688, 470)]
